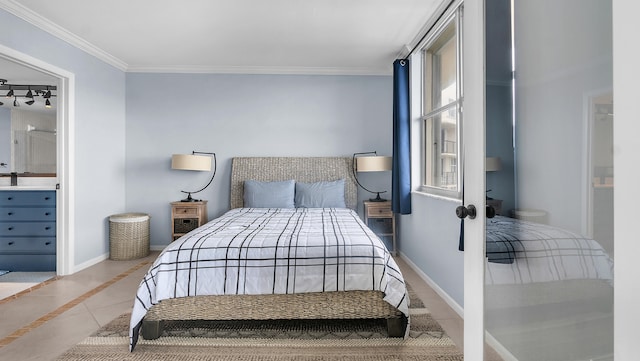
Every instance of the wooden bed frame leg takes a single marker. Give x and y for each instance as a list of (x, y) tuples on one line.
[(152, 329), (396, 327)]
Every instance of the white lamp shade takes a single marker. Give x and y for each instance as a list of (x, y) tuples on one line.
[(191, 162), (373, 164), (493, 164)]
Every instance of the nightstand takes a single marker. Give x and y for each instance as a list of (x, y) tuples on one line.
[(496, 204), (187, 216), (379, 217)]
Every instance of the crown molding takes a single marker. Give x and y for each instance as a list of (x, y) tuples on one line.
[(266, 70), (35, 19)]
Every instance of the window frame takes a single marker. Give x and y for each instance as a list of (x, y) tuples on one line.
[(454, 14)]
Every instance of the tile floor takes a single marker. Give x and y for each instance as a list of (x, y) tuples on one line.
[(14, 283), (44, 322)]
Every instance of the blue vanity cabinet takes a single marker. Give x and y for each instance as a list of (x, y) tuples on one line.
[(28, 230)]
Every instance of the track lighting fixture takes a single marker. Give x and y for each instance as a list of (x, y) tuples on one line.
[(32, 91)]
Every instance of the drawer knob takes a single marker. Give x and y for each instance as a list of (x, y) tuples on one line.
[(10, 228), (10, 213), (47, 228), (47, 213), (11, 243), (10, 198), (46, 198), (47, 243)]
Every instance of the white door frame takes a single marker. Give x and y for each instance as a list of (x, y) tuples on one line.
[(625, 162), (473, 125), (65, 154)]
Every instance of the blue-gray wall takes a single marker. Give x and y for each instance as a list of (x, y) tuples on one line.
[(243, 115), (99, 130), (429, 236)]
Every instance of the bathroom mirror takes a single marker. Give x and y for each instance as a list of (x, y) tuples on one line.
[(28, 121)]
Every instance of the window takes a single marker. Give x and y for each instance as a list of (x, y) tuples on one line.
[(441, 108)]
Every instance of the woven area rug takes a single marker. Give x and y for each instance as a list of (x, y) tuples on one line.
[(317, 340)]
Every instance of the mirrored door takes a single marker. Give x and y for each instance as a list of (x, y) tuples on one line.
[(549, 178)]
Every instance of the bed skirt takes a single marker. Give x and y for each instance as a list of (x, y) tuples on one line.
[(317, 305)]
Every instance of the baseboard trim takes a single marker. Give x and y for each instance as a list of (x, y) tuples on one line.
[(445, 296), (89, 263)]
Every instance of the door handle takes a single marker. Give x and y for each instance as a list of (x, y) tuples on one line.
[(463, 212)]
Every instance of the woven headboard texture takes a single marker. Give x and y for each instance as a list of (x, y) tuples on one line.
[(301, 169)]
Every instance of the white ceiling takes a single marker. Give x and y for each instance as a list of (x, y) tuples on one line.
[(236, 36)]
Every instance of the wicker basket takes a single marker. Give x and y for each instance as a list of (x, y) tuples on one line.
[(128, 236)]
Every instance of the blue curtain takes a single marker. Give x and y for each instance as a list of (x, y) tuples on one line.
[(401, 174)]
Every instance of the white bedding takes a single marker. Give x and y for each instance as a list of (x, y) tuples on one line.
[(272, 251), (534, 252)]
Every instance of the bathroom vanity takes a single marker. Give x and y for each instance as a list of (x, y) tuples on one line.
[(27, 229)]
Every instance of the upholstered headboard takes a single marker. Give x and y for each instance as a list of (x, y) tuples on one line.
[(302, 169)]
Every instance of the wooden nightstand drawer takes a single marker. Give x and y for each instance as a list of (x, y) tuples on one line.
[(382, 211), (189, 211)]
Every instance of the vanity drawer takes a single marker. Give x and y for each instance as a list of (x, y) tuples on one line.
[(28, 262), (27, 245), (27, 198), (27, 214), (36, 229)]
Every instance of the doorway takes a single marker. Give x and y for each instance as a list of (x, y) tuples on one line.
[(65, 153)]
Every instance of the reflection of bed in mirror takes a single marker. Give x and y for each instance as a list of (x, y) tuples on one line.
[(555, 282)]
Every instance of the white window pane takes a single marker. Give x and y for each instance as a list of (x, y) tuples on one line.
[(441, 135)]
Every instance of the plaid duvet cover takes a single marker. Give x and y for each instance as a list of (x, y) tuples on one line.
[(255, 251), (526, 252)]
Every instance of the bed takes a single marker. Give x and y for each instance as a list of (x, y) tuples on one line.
[(257, 262), (548, 291), (521, 252)]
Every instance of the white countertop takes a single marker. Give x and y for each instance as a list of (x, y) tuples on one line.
[(29, 184), (27, 188)]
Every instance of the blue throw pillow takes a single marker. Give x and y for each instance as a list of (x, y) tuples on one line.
[(269, 194), (320, 194)]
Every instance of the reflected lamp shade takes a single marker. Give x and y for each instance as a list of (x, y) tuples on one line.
[(493, 164), (191, 162), (373, 164)]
